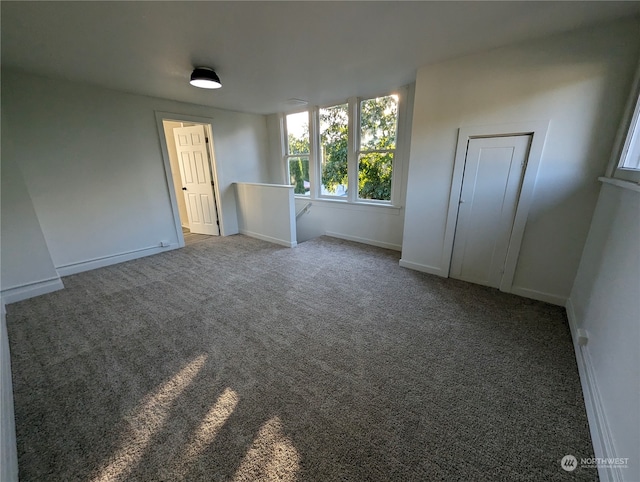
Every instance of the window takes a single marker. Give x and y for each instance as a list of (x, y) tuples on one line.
[(334, 149), (629, 165), (378, 126), (627, 158), (297, 152), (631, 159), (350, 151)]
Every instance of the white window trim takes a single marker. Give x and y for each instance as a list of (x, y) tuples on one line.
[(354, 140), (630, 124), (314, 152), (632, 186), (315, 174)]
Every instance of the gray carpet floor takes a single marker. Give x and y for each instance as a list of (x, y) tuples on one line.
[(236, 359), (190, 238)]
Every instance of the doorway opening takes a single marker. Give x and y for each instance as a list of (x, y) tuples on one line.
[(190, 166)]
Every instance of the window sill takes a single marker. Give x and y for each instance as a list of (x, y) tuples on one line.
[(632, 186), (344, 204)]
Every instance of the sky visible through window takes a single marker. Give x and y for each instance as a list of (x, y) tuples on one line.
[(298, 124)]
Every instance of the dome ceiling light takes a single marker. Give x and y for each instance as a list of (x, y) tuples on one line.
[(205, 78)]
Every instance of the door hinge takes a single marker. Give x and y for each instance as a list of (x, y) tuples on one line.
[(212, 183), (206, 139)]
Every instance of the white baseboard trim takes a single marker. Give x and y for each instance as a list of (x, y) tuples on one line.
[(539, 295), (422, 267), (270, 239), (29, 290), (103, 261), (601, 436), (357, 239), (8, 448)]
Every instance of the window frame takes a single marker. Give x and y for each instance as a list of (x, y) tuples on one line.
[(315, 168), (629, 128), (287, 156), (359, 151), (318, 169)]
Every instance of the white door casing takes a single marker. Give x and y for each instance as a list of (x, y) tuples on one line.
[(197, 185), (538, 130), (487, 205)]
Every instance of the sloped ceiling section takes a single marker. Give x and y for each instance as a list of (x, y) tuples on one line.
[(268, 52)]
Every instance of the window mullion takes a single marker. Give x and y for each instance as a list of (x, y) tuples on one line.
[(400, 152), (284, 148), (352, 154), (314, 154)]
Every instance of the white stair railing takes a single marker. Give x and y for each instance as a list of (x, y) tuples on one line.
[(305, 209)]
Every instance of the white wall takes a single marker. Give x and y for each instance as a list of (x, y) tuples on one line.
[(267, 211), (378, 226), (579, 81), (26, 268), (240, 147), (92, 161), (175, 169), (277, 172), (605, 301), (8, 449)]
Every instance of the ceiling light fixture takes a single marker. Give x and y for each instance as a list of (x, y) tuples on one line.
[(296, 101), (205, 78)]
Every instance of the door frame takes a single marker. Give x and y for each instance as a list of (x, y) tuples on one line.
[(196, 224), (538, 132), (207, 122)]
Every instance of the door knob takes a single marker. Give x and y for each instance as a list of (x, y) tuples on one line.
[(184, 188)]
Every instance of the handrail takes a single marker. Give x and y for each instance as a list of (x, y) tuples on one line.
[(305, 209)]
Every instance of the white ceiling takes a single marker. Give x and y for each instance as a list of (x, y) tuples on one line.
[(268, 52)]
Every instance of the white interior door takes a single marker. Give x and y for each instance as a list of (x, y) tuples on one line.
[(493, 173), (197, 185)]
